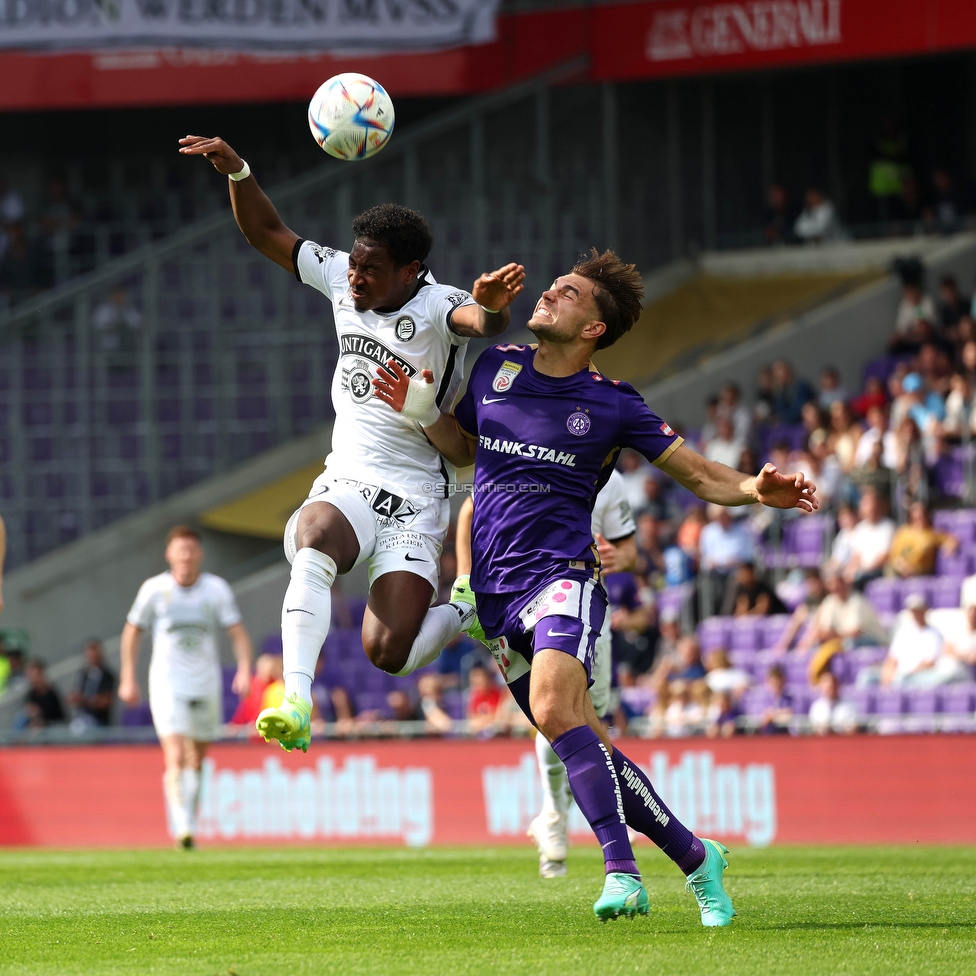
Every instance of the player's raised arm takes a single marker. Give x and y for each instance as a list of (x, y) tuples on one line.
[(494, 292), (714, 482), (415, 399), (254, 212)]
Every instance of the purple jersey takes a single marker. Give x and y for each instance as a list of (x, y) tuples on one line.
[(546, 446)]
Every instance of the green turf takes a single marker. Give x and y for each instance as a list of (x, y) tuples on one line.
[(260, 912)]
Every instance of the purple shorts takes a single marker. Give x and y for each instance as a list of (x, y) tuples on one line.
[(564, 614)]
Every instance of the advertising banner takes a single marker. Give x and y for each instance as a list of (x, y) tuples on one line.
[(321, 25), (756, 791)]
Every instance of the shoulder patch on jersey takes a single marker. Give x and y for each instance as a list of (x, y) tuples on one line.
[(458, 298), (323, 253), (505, 376), (665, 429), (405, 328)]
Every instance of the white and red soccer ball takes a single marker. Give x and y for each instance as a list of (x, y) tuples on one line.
[(351, 116)]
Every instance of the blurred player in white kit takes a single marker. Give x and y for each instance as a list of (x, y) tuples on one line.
[(613, 531), (185, 609)]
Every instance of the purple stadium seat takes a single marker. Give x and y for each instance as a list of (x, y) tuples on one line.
[(743, 659), (923, 702), (840, 668), (754, 700), (802, 697), (916, 584), (773, 627), (956, 564), (357, 608), (136, 716), (746, 634), (889, 701), (796, 669), (369, 700), (884, 595), (863, 699), (453, 702), (944, 592), (944, 519), (958, 699), (271, 644), (714, 632)]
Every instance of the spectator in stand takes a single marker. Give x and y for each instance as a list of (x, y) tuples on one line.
[(814, 421), (818, 221), (749, 463), (116, 324), (911, 462), (631, 625), (961, 633), (777, 713), (457, 659), (688, 536), (877, 430), (947, 205), (870, 541), (916, 544), (814, 594), (267, 671), (953, 305), (934, 364), (960, 418), (967, 359), (821, 467), (844, 435), (635, 471), (873, 474), (655, 503), (679, 711), (724, 545), (789, 393), (844, 619), (650, 556), (828, 713), (12, 211), (915, 658), (484, 697), (401, 707), (764, 394), (748, 595), (689, 667), (725, 447), (722, 716), (778, 216), (42, 706), (730, 405), (917, 315), (721, 676), (924, 406), (59, 216), (24, 269), (430, 688), (669, 634), (13, 672), (94, 688), (873, 395), (831, 390)]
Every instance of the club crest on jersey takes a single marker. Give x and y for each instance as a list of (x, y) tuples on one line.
[(405, 328), (505, 376), (360, 387), (578, 423)]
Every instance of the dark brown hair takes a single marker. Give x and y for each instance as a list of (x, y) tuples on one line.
[(618, 292), (182, 532)]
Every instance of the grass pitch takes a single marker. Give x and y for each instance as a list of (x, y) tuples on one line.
[(262, 912)]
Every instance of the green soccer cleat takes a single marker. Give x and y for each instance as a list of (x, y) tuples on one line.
[(290, 724), (623, 894), (706, 883), (461, 592)]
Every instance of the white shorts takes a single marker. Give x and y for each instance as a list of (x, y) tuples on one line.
[(196, 718), (601, 671), (395, 533)]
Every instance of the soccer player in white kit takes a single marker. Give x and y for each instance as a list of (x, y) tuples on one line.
[(383, 497), (184, 609), (613, 531)]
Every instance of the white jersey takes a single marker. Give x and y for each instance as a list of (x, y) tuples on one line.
[(372, 442), (612, 517), (185, 622)]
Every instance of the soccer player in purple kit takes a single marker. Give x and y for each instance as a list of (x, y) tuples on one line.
[(543, 427)]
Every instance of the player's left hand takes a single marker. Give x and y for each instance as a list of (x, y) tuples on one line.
[(497, 289), (608, 554), (786, 490), (241, 685)]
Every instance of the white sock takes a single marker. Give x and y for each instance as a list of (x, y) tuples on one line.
[(173, 791), (441, 625), (552, 772), (191, 797), (305, 617)]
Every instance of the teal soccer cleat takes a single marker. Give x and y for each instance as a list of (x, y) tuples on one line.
[(623, 894), (290, 724), (713, 901)]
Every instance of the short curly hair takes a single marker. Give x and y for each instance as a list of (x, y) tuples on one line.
[(402, 232), (617, 291)]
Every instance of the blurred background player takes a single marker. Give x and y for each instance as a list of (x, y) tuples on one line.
[(383, 494), (613, 530), (543, 428), (185, 609)]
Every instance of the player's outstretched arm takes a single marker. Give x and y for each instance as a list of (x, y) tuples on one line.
[(494, 291), (129, 651), (714, 482), (254, 212), (415, 399)]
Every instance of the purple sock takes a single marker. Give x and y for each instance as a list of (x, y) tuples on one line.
[(646, 812), (597, 792)]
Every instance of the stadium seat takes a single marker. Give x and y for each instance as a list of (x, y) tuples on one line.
[(954, 564), (944, 592), (884, 595), (135, 716), (772, 628), (863, 699), (959, 699), (746, 634), (889, 701), (714, 632), (923, 702)]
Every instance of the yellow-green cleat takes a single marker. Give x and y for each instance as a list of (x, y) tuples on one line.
[(462, 593), (713, 901), (623, 894), (290, 724)]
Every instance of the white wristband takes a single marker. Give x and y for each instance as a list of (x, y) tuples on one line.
[(420, 403), (242, 175), (490, 311)]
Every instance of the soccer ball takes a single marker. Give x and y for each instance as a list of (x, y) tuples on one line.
[(351, 116)]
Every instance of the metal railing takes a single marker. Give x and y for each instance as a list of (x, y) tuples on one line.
[(191, 354)]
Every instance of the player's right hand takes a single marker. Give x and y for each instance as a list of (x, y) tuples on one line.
[(129, 691), (213, 148)]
